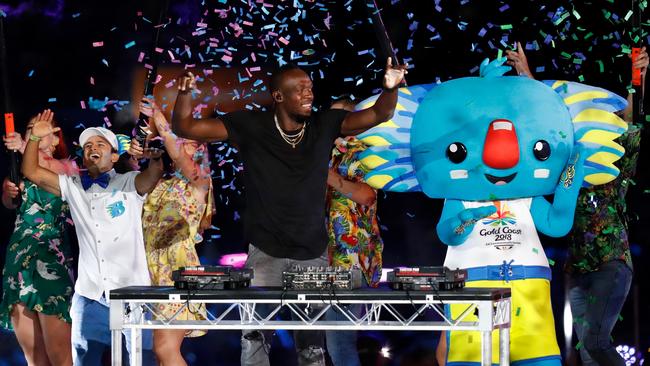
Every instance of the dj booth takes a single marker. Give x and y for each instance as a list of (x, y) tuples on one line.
[(135, 308)]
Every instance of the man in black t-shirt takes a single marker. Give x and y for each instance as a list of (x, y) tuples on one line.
[(285, 152)]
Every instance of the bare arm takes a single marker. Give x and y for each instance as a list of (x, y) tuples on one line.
[(383, 109), (34, 172), (159, 126), (184, 125), (642, 64), (146, 181), (358, 192)]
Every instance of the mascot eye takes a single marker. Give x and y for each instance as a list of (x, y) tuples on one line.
[(542, 150), (456, 152)]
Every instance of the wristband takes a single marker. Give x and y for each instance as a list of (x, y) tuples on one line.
[(34, 138)]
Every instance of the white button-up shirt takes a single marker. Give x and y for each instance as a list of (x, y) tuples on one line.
[(109, 229)]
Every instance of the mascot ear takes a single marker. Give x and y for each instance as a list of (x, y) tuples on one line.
[(388, 158), (595, 126)]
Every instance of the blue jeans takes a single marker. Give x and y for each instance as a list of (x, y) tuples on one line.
[(342, 344), (91, 334), (267, 272), (596, 300)]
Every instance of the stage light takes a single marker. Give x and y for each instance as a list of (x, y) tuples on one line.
[(236, 260), (630, 355), (385, 351)]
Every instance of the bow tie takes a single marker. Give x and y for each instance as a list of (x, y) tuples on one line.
[(87, 181)]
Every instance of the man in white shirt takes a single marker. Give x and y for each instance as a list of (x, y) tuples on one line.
[(106, 208)]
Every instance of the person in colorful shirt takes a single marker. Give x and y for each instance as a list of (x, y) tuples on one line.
[(174, 215), (37, 279), (353, 232), (599, 263)]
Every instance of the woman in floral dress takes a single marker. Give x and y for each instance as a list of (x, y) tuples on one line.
[(37, 279), (174, 215)]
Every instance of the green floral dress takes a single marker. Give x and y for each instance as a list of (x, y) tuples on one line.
[(354, 237), (600, 231), (38, 270)]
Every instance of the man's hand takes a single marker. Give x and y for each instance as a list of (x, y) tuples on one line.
[(187, 82), (518, 60), (394, 75), (11, 189), (136, 150), (14, 142)]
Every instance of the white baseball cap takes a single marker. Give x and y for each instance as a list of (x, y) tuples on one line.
[(99, 131)]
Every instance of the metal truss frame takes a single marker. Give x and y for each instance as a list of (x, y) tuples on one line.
[(309, 313)]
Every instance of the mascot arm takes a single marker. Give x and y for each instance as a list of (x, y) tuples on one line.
[(556, 219), (457, 222)]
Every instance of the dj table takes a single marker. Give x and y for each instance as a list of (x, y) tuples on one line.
[(384, 311)]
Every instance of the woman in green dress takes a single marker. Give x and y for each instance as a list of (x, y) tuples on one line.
[(37, 279)]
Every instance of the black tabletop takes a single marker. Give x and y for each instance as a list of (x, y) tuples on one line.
[(276, 293)]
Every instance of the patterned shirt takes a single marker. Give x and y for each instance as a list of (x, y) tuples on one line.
[(600, 230), (354, 238)]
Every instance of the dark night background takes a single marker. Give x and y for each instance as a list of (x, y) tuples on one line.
[(52, 63)]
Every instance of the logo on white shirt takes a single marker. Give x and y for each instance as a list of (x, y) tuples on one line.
[(116, 209)]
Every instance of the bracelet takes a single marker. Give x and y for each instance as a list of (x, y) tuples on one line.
[(34, 138)]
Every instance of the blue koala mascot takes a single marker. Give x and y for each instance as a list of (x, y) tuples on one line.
[(493, 147)]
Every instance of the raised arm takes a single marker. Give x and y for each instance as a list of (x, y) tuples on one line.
[(641, 63), (42, 177), (146, 181), (518, 60), (383, 109), (198, 173), (160, 127), (184, 125)]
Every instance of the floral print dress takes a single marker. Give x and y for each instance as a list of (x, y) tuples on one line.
[(171, 220), (354, 237), (38, 266)]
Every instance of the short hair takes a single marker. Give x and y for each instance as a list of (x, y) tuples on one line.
[(276, 77)]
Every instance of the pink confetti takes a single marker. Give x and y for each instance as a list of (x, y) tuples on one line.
[(226, 58), (83, 104), (98, 44), (92, 81), (159, 50), (141, 57), (107, 121)]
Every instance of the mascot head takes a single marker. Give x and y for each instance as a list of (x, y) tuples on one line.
[(493, 136)]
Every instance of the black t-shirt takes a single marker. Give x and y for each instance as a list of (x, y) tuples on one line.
[(285, 186)]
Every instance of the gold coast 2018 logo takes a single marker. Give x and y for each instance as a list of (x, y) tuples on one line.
[(502, 217), (502, 235)]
